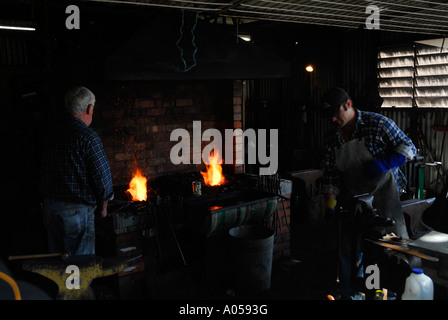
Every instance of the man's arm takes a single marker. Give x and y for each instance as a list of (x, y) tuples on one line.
[(400, 146), (397, 140), (102, 209), (99, 169)]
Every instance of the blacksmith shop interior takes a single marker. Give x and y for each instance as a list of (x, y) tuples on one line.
[(228, 131)]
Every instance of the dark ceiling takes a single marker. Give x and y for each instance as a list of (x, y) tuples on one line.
[(137, 39), (413, 16)]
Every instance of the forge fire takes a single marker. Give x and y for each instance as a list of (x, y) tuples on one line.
[(137, 187), (213, 176)]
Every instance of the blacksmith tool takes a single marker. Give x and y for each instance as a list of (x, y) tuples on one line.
[(90, 267), (35, 256), (404, 250)]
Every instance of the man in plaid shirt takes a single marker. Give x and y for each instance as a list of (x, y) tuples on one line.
[(382, 137), (362, 156), (75, 178)]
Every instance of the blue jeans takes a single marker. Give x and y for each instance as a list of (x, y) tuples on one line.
[(70, 227)]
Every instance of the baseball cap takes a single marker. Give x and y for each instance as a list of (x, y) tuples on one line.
[(332, 101)]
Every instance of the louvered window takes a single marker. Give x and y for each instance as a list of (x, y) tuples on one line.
[(413, 76)]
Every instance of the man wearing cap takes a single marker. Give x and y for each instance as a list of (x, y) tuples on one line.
[(362, 155)]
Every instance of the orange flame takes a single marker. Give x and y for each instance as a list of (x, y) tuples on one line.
[(213, 176), (137, 187)]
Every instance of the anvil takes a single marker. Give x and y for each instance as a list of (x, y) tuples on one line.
[(90, 267)]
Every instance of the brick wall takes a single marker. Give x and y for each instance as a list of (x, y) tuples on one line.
[(135, 120), (238, 123)]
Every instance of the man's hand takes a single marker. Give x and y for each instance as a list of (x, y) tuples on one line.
[(381, 165), (101, 210), (330, 208)]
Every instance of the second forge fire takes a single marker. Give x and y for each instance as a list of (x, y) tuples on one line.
[(213, 176), (180, 153)]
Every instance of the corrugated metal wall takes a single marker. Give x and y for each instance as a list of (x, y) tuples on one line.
[(13, 50), (431, 123)]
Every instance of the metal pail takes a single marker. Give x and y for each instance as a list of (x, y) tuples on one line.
[(251, 252)]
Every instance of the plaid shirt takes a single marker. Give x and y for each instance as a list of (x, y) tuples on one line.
[(381, 136), (74, 165)]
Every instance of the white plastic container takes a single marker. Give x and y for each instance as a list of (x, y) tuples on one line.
[(418, 286)]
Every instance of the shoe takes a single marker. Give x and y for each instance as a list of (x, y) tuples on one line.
[(355, 296)]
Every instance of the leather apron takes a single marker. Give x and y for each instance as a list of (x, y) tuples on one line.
[(352, 158)]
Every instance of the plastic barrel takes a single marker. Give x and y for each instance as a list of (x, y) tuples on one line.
[(251, 250)]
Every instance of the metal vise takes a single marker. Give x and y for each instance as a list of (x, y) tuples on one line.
[(364, 207)]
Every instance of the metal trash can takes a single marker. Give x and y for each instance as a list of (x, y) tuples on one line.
[(251, 251)]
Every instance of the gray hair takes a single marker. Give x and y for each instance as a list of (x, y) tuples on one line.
[(78, 99)]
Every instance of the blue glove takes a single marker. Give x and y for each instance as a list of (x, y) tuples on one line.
[(389, 161)]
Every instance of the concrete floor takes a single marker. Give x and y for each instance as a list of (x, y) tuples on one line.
[(308, 274)]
